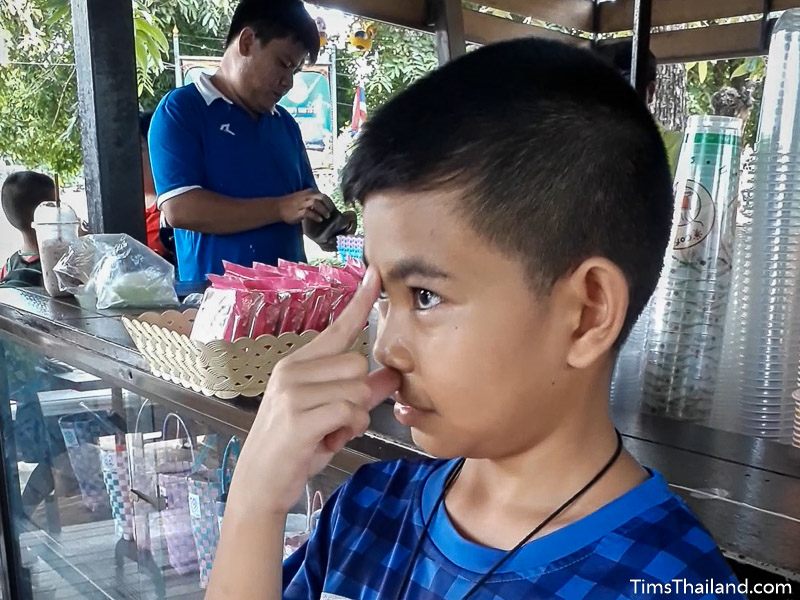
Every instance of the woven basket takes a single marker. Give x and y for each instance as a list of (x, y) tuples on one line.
[(219, 368)]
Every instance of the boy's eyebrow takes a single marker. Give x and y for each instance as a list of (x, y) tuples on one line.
[(407, 267)]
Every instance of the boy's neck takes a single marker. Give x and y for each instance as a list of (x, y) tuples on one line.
[(497, 502), (29, 244)]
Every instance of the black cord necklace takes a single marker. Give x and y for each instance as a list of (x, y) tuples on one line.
[(451, 478)]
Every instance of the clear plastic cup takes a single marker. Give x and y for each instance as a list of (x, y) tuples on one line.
[(56, 226)]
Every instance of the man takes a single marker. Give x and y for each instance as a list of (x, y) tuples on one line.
[(229, 164), (620, 55)]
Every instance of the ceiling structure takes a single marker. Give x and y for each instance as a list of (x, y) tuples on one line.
[(683, 30)]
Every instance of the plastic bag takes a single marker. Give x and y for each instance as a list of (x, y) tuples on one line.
[(118, 272)]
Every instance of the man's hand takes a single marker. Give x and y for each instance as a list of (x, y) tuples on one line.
[(306, 204), (325, 233)]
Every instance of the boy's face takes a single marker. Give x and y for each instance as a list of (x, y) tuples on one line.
[(482, 355)]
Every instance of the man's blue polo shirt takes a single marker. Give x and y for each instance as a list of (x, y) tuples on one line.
[(200, 139)]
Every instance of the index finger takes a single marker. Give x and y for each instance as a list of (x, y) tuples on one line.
[(344, 332)]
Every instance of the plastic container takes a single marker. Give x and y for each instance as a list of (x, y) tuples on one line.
[(56, 226), (684, 339), (769, 319)]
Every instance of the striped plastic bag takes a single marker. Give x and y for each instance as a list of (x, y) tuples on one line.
[(116, 476), (173, 488), (206, 493), (81, 432)]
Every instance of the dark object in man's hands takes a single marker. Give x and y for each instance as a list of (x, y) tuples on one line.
[(324, 233)]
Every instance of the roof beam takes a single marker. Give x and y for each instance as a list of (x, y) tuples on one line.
[(575, 14), (406, 13), (618, 16), (483, 28), (708, 43)]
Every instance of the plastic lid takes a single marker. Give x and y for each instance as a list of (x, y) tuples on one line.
[(713, 124), (49, 213), (789, 21)]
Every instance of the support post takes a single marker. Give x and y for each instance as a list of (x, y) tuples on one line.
[(447, 18), (642, 19), (108, 109)]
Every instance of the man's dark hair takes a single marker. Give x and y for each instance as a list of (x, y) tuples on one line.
[(22, 192), (145, 118), (273, 19), (620, 55), (555, 157)]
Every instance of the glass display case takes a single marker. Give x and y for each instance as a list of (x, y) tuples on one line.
[(111, 493)]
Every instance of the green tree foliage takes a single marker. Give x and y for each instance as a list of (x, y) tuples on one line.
[(38, 91), (704, 79), (38, 99), (398, 58)]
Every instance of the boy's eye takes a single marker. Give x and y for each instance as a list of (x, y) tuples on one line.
[(425, 299)]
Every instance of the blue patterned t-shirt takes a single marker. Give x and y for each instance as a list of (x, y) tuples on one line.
[(629, 549)]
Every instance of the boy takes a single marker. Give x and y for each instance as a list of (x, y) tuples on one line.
[(22, 192), (518, 229)]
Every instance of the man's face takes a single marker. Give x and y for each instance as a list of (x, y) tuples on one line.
[(266, 72), (481, 354)]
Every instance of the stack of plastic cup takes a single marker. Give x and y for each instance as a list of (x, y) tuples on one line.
[(684, 340), (725, 408), (796, 430), (626, 381), (771, 345)]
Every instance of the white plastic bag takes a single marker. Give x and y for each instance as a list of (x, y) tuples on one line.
[(117, 271)]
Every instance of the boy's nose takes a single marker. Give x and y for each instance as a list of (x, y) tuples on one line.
[(390, 349)]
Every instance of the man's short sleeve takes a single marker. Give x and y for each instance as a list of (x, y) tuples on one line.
[(175, 145)]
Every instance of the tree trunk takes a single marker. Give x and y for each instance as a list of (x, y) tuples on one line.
[(669, 106)]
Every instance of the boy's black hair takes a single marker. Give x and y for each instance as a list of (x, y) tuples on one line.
[(145, 118), (555, 156), (22, 192), (620, 54), (272, 19)]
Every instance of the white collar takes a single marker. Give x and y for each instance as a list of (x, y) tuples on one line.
[(210, 92)]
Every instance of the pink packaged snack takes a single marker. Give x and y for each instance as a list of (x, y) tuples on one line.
[(268, 316), (355, 267), (297, 304), (266, 299), (296, 269), (226, 314), (318, 317), (226, 282), (239, 271), (268, 270)]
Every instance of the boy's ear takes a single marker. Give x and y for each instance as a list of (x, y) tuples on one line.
[(600, 292)]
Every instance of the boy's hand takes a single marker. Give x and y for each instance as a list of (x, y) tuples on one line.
[(317, 400)]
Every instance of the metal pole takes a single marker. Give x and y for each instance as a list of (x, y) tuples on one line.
[(766, 25), (108, 109), (642, 19), (447, 17), (176, 50), (595, 23)]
